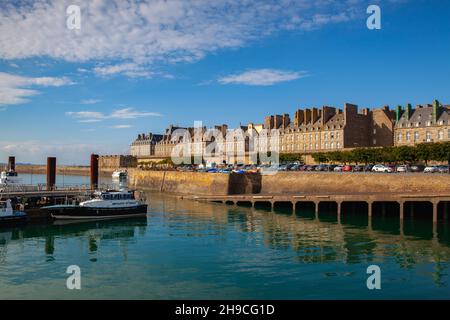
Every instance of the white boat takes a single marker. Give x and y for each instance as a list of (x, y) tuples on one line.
[(8, 215), (105, 205), (9, 177), (122, 174)]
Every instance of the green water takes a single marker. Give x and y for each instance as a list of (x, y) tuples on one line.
[(188, 250)]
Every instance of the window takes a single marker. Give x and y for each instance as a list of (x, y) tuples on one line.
[(440, 134), (310, 146), (417, 136), (338, 145), (326, 144), (317, 146), (408, 136), (332, 145), (399, 137), (326, 136), (448, 133), (429, 136)]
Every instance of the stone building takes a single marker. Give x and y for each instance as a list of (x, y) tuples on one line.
[(423, 124), (311, 130), (144, 145), (117, 161), (329, 129)]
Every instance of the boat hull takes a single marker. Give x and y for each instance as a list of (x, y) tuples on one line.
[(91, 213), (15, 219)]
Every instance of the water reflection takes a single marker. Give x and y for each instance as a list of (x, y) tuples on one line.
[(184, 239), (351, 241)]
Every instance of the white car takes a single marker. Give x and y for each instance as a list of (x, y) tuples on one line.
[(382, 168), (431, 170)]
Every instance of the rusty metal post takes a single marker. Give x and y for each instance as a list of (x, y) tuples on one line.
[(51, 173), (12, 163), (94, 171)]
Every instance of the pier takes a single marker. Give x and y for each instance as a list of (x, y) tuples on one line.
[(435, 205), (30, 198)]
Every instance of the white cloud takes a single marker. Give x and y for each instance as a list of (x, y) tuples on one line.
[(129, 113), (131, 70), (121, 126), (15, 89), (126, 113), (90, 101), (262, 77), (139, 34)]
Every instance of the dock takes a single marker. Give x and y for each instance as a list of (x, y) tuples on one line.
[(433, 205)]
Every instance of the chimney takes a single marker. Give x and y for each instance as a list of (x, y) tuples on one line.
[(299, 117), (286, 120), (327, 113), (308, 117), (350, 108), (408, 111), (398, 113), (436, 110), (315, 115)]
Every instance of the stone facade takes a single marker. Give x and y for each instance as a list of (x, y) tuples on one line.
[(145, 145), (423, 124), (331, 129), (311, 130), (117, 161)]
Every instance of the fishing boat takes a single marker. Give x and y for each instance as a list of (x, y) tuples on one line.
[(9, 216), (9, 177), (105, 205)]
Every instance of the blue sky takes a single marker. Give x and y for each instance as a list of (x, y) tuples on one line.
[(68, 93)]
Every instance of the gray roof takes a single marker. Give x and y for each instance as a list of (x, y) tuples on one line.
[(421, 116)]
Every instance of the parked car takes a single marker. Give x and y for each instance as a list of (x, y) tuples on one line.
[(358, 168), (431, 169), (382, 168), (403, 168), (310, 168), (417, 168), (322, 167), (368, 168), (338, 169), (331, 167), (443, 169), (347, 168)]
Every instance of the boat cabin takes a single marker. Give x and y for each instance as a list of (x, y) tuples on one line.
[(116, 195)]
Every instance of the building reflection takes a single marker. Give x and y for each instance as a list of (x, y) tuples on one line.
[(353, 240), (312, 240)]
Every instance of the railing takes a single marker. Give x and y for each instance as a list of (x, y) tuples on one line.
[(10, 188)]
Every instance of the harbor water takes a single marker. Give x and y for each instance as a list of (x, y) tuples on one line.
[(189, 250)]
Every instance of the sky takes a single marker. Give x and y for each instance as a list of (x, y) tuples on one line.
[(140, 65)]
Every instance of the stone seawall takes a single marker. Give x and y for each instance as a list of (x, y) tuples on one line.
[(305, 182), (196, 183)]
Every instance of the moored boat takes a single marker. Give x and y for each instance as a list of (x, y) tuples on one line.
[(9, 177), (9, 216), (121, 174), (105, 205)]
